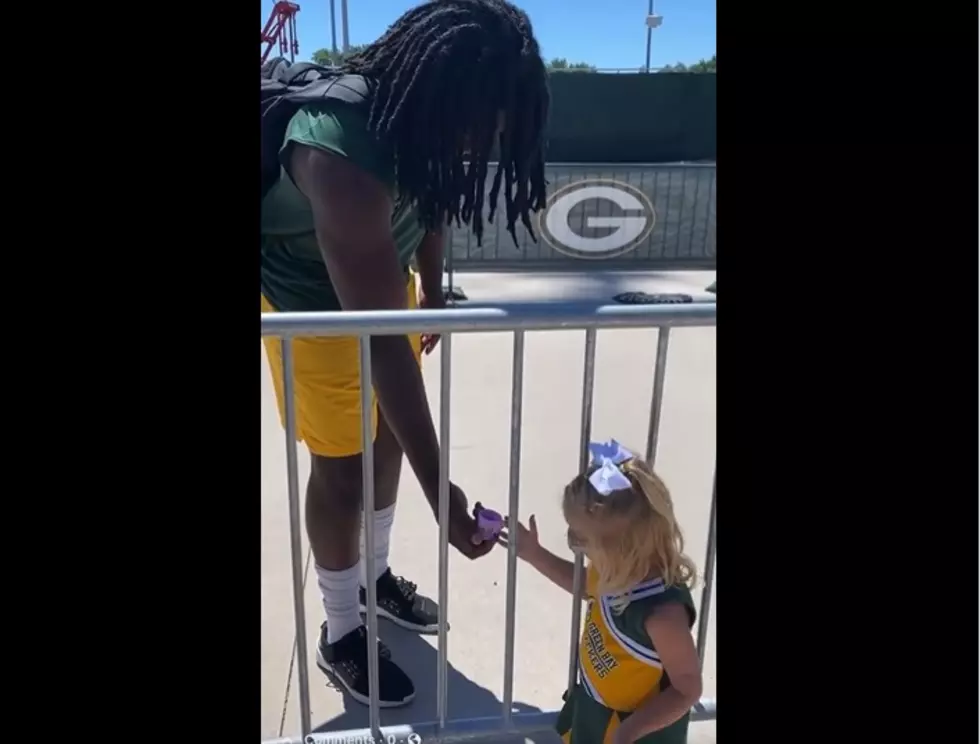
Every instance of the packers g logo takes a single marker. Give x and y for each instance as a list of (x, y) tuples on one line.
[(589, 236)]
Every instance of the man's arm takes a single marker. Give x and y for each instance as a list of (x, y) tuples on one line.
[(352, 216), (429, 258)]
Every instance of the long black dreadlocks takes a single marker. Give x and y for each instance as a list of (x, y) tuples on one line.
[(444, 72)]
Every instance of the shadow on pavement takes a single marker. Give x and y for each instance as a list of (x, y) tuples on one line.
[(492, 287), (418, 658)]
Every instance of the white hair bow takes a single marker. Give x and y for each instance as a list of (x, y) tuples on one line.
[(608, 477)]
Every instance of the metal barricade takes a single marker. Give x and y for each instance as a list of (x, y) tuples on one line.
[(518, 319)]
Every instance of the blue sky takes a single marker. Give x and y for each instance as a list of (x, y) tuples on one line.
[(604, 33)]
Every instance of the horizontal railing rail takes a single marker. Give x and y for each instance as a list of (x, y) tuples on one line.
[(513, 318), (463, 730), (534, 316)]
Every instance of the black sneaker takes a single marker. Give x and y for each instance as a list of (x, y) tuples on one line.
[(347, 661), (398, 602)]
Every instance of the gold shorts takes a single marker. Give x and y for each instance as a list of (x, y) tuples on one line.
[(326, 373)]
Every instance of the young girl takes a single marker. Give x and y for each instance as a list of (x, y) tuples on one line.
[(638, 667)]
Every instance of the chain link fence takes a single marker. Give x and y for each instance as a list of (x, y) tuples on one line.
[(682, 236)]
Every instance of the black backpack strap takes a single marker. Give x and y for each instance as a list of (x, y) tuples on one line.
[(353, 89), (276, 68), (303, 72)]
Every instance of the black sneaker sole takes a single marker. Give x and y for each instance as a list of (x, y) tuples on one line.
[(417, 627), (337, 678)]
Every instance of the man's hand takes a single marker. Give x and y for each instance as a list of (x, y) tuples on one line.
[(464, 534), (431, 300)]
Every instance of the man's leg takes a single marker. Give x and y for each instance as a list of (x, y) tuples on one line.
[(387, 475), (333, 509), (333, 505), (397, 600), (328, 420)]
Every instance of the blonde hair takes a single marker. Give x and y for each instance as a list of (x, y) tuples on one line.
[(639, 537)]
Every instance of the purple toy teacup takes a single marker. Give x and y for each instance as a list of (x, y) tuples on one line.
[(489, 522)]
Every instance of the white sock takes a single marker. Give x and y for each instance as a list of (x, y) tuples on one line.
[(340, 601), (383, 519)]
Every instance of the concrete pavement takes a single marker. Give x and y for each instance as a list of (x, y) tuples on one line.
[(480, 443), (598, 286)]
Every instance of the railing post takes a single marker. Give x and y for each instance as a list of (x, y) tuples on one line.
[(709, 574), (516, 406), (670, 178), (442, 663), (588, 388), (447, 256), (694, 215), (707, 216), (657, 400), (295, 534), (367, 496)]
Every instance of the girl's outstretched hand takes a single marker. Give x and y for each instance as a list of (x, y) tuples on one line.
[(527, 539)]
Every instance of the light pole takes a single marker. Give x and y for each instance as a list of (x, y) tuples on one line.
[(333, 26), (653, 21), (344, 38)]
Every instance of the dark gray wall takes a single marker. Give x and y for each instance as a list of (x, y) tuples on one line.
[(662, 117)]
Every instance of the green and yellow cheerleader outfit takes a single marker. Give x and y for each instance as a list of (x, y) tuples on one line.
[(619, 667)]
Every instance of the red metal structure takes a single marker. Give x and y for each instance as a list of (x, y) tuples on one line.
[(281, 29)]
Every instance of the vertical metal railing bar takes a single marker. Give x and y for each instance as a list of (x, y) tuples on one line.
[(516, 415), (525, 240), (694, 213), (588, 388), (635, 255), (442, 664), (578, 571), (367, 497), (658, 214), (709, 572), (657, 400), (447, 257), (295, 533), (581, 217), (496, 226), (469, 238), (707, 214)]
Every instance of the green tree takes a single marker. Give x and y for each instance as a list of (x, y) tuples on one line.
[(560, 64), (701, 66), (327, 57), (705, 65)]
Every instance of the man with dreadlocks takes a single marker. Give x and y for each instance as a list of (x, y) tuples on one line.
[(366, 189)]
